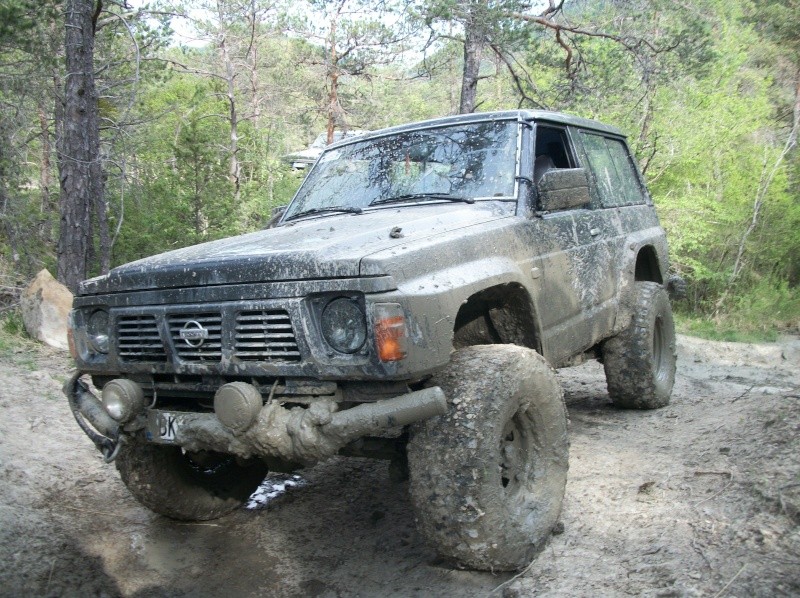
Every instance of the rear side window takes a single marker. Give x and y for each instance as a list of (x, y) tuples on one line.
[(552, 151), (615, 175)]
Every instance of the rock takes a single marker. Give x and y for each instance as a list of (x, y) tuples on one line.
[(45, 305), (790, 352)]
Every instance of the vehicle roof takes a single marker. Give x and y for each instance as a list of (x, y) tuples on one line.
[(548, 116)]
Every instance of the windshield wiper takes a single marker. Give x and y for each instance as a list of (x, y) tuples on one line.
[(413, 196), (345, 209)]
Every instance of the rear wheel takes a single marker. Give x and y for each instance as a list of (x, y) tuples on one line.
[(187, 486), (640, 361), (488, 478)]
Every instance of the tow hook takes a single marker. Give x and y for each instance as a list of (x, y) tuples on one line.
[(88, 411)]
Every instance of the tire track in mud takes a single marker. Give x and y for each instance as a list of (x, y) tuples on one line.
[(680, 501)]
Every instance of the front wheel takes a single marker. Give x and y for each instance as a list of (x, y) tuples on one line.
[(640, 361), (187, 486), (488, 478)]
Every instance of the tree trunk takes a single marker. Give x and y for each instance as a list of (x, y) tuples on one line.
[(333, 76), (333, 102), (58, 137), (78, 164), (235, 167), (234, 171), (98, 186), (474, 41), (252, 58), (44, 162), (795, 114)]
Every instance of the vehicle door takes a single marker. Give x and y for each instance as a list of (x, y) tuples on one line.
[(620, 204), (572, 288)]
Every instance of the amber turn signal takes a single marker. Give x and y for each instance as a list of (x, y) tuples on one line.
[(73, 349), (71, 342), (390, 332)]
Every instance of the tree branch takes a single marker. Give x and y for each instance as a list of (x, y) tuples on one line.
[(515, 77), (546, 22), (190, 69)]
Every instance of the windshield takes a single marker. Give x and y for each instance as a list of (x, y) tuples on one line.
[(456, 163)]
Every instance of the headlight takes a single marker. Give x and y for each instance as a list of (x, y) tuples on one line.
[(344, 325), (97, 331)]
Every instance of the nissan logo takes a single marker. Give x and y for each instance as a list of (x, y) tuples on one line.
[(193, 334)]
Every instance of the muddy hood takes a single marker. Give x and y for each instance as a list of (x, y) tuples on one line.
[(318, 248)]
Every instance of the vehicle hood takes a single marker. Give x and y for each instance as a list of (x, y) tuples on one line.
[(316, 248)]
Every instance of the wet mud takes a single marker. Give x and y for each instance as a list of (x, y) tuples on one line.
[(700, 498)]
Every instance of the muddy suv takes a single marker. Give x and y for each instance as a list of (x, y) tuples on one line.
[(410, 304)]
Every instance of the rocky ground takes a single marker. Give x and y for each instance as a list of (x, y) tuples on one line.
[(701, 498)]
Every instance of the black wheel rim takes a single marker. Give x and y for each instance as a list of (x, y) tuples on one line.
[(659, 350), (208, 464), (514, 455)]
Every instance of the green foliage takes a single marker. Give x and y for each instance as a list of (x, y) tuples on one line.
[(13, 326), (702, 119), (183, 196), (26, 223), (707, 103), (15, 344), (780, 19), (707, 179), (20, 19), (27, 57), (761, 313), (708, 329)]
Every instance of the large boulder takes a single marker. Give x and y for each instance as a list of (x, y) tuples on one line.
[(45, 306)]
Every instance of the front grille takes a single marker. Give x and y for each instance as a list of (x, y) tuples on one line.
[(208, 335), (138, 339), (205, 349), (265, 335)]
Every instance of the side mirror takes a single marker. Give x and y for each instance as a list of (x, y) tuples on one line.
[(276, 215), (562, 189)]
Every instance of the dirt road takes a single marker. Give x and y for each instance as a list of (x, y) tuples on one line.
[(701, 498)]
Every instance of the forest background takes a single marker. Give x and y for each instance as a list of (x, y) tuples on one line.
[(195, 104)]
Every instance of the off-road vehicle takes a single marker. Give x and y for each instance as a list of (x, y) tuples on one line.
[(412, 300)]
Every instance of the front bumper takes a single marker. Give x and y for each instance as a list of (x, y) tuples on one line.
[(91, 416), (297, 435)]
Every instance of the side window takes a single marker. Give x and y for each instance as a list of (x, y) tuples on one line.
[(551, 151), (614, 173), (631, 187)]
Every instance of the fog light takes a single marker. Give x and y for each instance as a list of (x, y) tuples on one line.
[(123, 399), (237, 405)]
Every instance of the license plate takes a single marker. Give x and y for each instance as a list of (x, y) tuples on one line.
[(162, 426)]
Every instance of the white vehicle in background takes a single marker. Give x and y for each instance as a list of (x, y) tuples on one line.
[(304, 158)]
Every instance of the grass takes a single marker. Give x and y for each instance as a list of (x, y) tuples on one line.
[(12, 324), (15, 344), (762, 313), (709, 330)]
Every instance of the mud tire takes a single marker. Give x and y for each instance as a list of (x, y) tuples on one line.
[(640, 361), (167, 481), (488, 478)]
